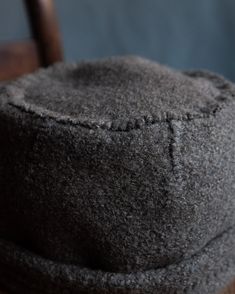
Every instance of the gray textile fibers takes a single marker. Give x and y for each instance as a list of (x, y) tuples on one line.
[(117, 176)]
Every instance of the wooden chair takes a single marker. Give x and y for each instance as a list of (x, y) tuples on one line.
[(43, 49)]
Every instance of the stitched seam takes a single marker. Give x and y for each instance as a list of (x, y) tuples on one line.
[(140, 122), (118, 125)]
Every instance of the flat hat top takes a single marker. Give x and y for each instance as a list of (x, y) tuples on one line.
[(118, 89)]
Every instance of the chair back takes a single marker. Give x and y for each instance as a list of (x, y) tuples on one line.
[(42, 49)]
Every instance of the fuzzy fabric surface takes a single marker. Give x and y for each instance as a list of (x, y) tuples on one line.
[(117, 176)]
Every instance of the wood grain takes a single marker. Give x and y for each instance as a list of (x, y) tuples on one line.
[(45, 29), (17, 58)]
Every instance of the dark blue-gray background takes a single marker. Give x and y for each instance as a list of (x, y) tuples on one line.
[(180, 33)]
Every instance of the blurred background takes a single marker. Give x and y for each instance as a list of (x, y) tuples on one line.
[(183, 34)]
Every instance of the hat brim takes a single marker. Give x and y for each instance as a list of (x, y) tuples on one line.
[(208, 271)]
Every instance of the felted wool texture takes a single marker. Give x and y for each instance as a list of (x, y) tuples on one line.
[(117, 176)]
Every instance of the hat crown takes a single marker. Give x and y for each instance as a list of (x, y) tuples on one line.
[(117, 90)]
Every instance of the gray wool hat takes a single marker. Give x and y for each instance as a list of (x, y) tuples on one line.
[(117, 176)]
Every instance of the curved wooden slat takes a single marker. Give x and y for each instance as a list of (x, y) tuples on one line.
[(17, 58)]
